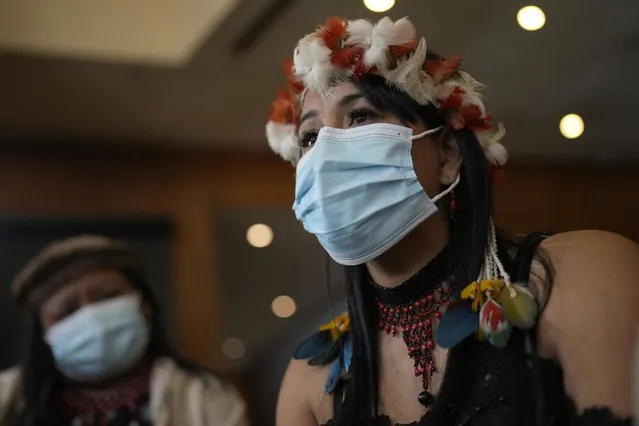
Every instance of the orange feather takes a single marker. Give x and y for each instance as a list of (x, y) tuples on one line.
[(442, 70), (400, 50), (474, 118), (345, 57), (453, 101), (283, 108), (333, 32)]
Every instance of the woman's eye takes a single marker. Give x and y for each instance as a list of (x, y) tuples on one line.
[(308, 139), (360, 116)]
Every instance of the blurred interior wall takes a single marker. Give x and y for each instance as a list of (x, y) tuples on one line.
[(184, 187), (190, 186)]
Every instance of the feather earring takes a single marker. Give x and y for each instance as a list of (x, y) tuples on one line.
[(493, 305)]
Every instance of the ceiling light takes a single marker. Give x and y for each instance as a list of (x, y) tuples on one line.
[(571, 126), (259, 235), (379, 5), (531, 18), (283, 306), (233, 348)]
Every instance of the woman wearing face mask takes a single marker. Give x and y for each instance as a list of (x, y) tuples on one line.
[(97, 353), (449, 322)]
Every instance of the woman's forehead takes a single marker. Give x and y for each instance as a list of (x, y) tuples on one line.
[(328, 100)]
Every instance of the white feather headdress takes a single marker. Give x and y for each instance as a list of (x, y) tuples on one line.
[(341, 50)]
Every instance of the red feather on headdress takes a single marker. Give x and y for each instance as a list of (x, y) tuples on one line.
[(443, 69), (283, 108), (360, 68), (453, 101), (345, 57), (333, 32), (401, 50), (474, 118)]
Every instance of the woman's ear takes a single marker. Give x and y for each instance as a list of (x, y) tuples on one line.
[(451, 159)]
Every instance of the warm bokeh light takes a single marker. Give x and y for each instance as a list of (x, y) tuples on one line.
[(259, 235), (283, 306), (571, 126), (531, 18), (233, 348), (379, 5)]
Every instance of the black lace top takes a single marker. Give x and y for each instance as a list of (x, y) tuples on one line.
[(488, 386), (501, 392)]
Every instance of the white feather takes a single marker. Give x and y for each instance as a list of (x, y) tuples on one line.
[(426, 92), (273, 135), (312, 63), (360, 32), (387, 33), (474, 98), (309, 51), (381, 36), (320, 76), (499, 134), (486, 137), (469, 81), (409, 76), (403, 32), (472, 90), (282, 139), (444, 89), (496, 154)]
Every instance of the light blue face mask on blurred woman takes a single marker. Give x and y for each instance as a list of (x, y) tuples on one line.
[(100, 341), (357, 191)]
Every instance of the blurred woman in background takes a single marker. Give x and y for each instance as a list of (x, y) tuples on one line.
[(449, 322), (96, 352)]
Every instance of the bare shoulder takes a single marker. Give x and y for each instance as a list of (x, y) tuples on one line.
[(302, 400), (592, 266), (591, 320), (570, 249)]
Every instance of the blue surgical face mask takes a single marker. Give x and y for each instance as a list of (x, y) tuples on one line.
[(100, 341), (357, 191)]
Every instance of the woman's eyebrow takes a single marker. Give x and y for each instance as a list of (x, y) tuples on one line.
[(309, 114)]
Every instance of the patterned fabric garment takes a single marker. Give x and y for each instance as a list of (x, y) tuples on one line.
[(133, 414), (128, 405)]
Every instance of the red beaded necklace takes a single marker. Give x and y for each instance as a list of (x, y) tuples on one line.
[(411, 309)]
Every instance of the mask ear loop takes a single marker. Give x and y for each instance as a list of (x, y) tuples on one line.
[(427, 132), (447, 190)]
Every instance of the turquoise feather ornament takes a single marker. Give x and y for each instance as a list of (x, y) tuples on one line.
[(314, 346), (330, 354), (341, 367)]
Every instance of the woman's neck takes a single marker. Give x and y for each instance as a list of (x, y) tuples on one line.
[(411, 254)]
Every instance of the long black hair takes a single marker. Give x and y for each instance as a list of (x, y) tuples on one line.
[(468, 241), (40, 379)]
